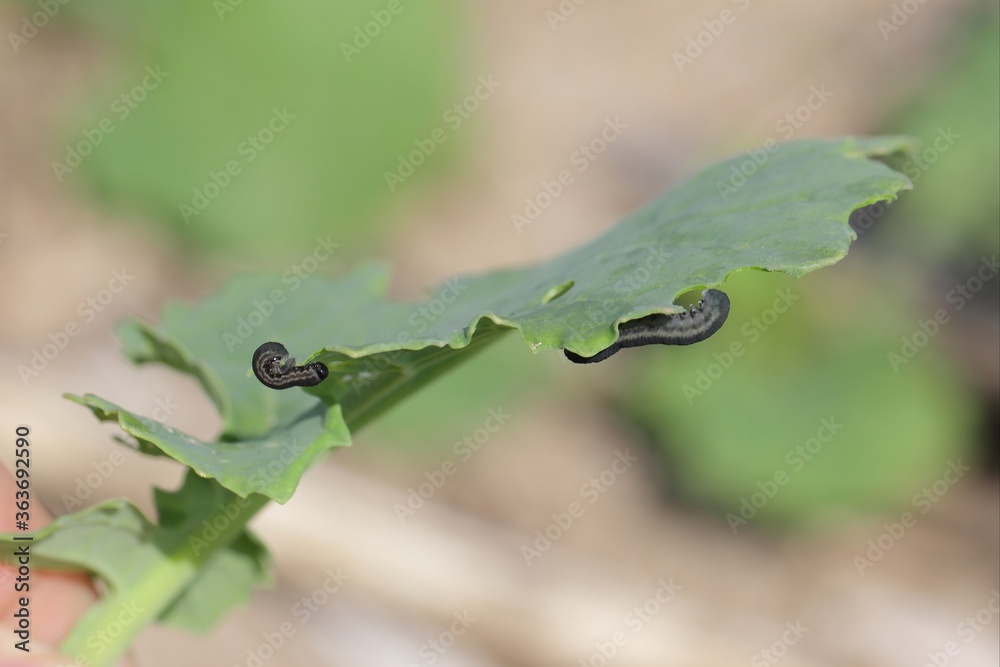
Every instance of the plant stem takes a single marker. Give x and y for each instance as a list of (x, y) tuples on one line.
[(359, 410), (106, 632)]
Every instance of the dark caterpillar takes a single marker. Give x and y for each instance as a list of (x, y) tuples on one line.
[(275, 369), (690, 326)]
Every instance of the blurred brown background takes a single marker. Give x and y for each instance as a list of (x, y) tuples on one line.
[(655, 571)]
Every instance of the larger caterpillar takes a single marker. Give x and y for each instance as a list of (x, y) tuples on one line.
[(685, 328), (275, 369)]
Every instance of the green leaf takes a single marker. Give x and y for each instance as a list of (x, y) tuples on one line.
[(224, 581), (789, 215), (227, 577), (99, 539), (270, 465), (139, 560)]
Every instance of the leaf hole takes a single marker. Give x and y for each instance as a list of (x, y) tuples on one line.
[(558, 291), (689, 298)]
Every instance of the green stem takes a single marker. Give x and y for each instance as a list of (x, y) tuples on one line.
[(105, 633), (359, 410)]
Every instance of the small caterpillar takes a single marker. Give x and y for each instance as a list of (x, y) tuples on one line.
[(685, 328), (275, 369)]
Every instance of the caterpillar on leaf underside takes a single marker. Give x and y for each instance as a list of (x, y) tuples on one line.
[(684, 328), (275, 369)]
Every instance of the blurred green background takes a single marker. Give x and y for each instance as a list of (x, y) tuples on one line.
[(346, 113)]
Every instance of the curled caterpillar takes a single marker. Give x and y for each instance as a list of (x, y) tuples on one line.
[(275, 369), (685, 328)]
